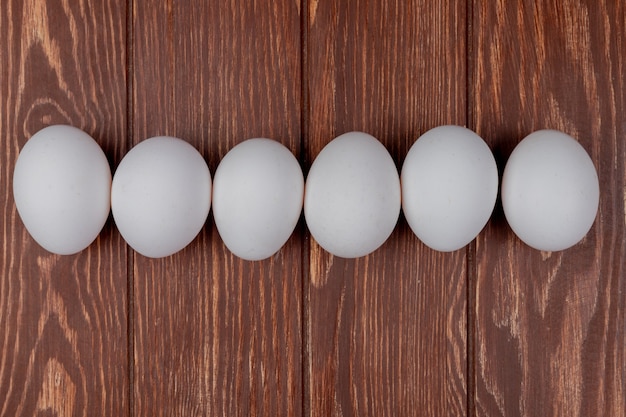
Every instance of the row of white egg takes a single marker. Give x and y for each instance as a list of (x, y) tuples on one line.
[(162, 192)]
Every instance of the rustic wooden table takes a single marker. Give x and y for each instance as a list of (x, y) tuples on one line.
[(496, 329)]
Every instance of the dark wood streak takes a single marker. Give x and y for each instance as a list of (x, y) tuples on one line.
[(63, 319), (550, 334)]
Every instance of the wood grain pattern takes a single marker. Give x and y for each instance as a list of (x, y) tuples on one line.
[(387, 332), (550, 334), (306, 333), (63, 319), (215, 335)]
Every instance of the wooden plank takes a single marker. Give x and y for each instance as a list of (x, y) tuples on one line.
[(215, 335), (387, 332), (63, 343), (550, 334)]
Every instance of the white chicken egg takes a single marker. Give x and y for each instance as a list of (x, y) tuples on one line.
[(550, 191), (449, 187), (61, 186), (257, 198), (161, 196), (352, 196)]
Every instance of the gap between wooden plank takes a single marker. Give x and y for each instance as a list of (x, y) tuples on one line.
[(472, 272), (305, 247), (130, 278)]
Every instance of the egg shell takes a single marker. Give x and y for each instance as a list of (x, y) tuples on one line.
[(550, 191), (352, 196), (161, 196), (449, 187), (258, 190), (61, 186)]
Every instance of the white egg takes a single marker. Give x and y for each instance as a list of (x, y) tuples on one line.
[(61, 186), (550, 191), (161, 196), (449, 187), (257, 198), (352, 196)]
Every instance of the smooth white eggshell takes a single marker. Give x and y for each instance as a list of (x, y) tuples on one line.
[(161, 196), (449, 187), (257, 198), (61, 186), (550, 191), (352, 196)]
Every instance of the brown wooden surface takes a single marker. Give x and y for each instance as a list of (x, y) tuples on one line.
[(387, 332), (495, 329), (63, 319), (550, 327), (213, 334)]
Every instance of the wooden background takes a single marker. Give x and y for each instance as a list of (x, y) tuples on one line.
[(496, 329)]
